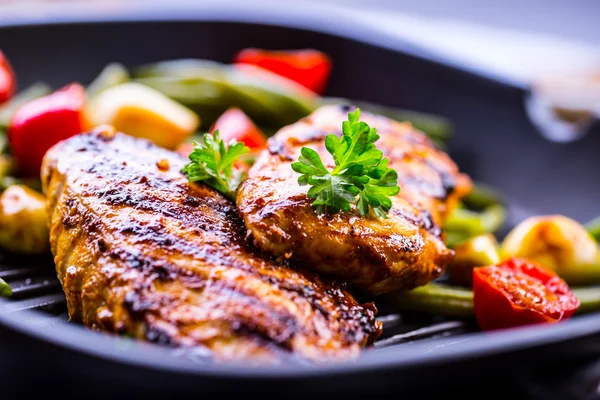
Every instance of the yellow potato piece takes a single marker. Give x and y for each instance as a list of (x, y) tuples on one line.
[(479, 251), (23, 221), (141, 111), (559, 243)]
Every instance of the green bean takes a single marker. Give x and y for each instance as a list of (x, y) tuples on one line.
[(455, 301), (439, 129), (5, 290), (32, 92), (436, 299), (593, 227), (589, 298), (475, 223), (112, 75), (209, 88), (482, 196)]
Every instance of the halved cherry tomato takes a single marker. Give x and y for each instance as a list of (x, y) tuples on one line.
[(7, 79), (41, 123), (310, 68), (234, 124), (520, 292)]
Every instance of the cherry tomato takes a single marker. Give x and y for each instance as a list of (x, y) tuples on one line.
[(234, 124), (7, 79), (520, 292), (41, 123), (310, 68)]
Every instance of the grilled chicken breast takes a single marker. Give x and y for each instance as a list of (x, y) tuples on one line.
[(377, 255), (140, 251)]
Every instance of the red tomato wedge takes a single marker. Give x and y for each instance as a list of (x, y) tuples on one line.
[(41, 123), (520, 292), (234, 124), (7, 79), (310, 68)]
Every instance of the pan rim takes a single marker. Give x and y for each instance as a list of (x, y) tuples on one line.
[(298, 14)]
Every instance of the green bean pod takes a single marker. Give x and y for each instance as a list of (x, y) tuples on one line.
[(452, 301)]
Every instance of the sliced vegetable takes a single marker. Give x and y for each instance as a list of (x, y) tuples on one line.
[(475, 252), (235, 125), (8, 109), (453, 301), (41, 123), (519, 292), (23, 221), (112, 75), (141, 111), (559, 243), (361, 175), (310, 68), (212, 163), (5, 290), (8, 81)]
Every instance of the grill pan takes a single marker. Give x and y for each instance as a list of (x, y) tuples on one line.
[(417, 354)]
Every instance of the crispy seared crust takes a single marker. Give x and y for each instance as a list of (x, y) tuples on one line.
[(378, 256), (140, 251)]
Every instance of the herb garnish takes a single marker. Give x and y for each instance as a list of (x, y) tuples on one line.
[(360, 170), (212, 162)]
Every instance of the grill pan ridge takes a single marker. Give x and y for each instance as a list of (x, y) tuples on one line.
[(489, 121)]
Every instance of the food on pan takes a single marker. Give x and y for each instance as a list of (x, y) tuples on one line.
[(151, 243), (143, 112), (472, 253), (310, 68), (23, 220), (40, 123), (399, 252), (7, 79), (520, 292), (140, 251), (559, 243)]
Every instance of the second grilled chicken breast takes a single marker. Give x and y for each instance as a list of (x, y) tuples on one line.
[(377, 255), (140, 251)]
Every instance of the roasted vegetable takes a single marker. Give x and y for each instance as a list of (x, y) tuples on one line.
[(5, 290), (436, 299), (8, 81), (454, 301), (464, 224), (8, 109), (519, 292), (210, 88), (475, 252), (141, 111), (310, 68), (235, 125), (41, 123), (559, 243), (23, 221)]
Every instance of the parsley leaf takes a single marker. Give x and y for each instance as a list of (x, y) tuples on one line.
[(212, 162), (360, 171)]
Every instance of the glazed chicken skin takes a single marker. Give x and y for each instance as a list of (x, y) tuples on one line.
[(140, 251), (376, 255)]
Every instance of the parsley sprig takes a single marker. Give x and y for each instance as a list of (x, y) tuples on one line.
[(212, 162), (360, 171)]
